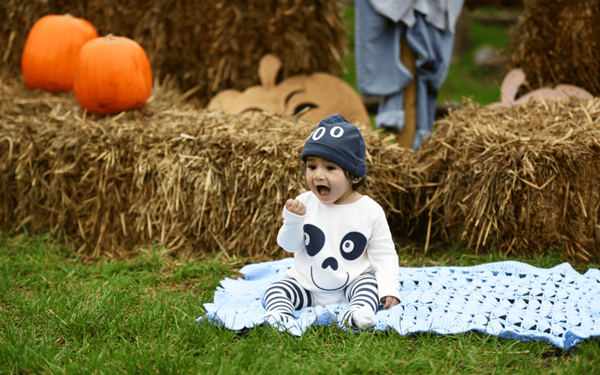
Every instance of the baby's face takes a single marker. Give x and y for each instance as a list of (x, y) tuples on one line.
[(328, 181)]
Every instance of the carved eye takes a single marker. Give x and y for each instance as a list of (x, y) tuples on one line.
[(353, 245), (304, 107), (251, 110), (314, 239)]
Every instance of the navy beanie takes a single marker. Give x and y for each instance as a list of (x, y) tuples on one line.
[(340, 142)]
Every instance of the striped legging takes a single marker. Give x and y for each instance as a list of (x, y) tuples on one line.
[(283, 297)]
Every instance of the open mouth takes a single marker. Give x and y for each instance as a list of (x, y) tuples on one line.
[(323, 190)]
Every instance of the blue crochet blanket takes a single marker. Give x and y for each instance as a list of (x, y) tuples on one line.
[(507, 299)]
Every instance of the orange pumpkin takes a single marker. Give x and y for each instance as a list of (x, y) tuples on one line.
[(51, 49), (112, 74)]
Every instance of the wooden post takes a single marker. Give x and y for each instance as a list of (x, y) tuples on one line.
[(406, 137)]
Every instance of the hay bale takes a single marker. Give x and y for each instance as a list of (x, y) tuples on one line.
[(558, 42), (524, 179), (171, 174), (205, 46)]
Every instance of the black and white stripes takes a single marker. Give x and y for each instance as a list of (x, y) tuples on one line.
[(362, 294), (283, 297)]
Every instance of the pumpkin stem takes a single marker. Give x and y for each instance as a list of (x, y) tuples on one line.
[(268, 68)]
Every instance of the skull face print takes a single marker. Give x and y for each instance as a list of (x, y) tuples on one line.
[(326, 273)]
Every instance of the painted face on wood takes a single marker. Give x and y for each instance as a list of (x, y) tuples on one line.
[(311, 97), (324, 265)]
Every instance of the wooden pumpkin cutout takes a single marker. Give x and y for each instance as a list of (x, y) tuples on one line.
[(515, 78), (310, 97)]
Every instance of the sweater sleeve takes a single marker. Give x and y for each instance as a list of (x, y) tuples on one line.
[(291, 233), (384, 258)]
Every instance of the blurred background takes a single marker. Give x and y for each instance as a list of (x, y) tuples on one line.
[(480, 56)]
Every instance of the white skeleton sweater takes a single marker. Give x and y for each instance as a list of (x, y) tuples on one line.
[(335, 244)]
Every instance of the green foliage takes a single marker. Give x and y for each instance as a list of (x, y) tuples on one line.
[(61, 315), (349, 66), (465, 78)]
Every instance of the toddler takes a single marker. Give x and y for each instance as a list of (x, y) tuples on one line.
[(341, 241)]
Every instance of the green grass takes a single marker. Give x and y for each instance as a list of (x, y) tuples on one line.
[(349, 67), (465, 79), (60, 315)]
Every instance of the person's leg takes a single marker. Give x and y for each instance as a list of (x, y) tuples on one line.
[(283, 297), (434, 48), (379, 71), (364, 302)]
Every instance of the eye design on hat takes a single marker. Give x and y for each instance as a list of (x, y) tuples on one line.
[(340, 142), (336, 131), (319, 132)]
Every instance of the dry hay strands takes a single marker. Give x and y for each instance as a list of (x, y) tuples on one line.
[(524, 179), (390, 178), (557, 42), (205, 46), (188, 179)]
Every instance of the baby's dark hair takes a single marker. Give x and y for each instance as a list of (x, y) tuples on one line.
[(352, 177)]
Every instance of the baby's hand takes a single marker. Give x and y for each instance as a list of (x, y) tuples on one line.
[(295, 207), (390, 302)]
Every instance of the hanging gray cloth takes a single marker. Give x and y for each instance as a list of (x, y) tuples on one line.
[(440, 13), (428, 26)]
